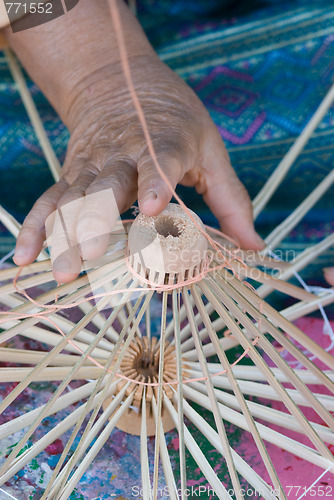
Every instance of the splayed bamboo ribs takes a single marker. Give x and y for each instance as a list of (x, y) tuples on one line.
[(133, 378), (126, 374)]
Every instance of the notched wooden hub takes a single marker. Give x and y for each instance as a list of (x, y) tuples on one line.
[(141, 364), (168, 248)]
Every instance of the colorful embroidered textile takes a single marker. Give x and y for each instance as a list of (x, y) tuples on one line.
[(115, 472), (261, 75)]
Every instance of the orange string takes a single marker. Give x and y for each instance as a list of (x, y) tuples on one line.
[(58, 307), (53, 308)]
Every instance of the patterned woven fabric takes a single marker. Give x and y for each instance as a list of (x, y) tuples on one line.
[(261, 75)]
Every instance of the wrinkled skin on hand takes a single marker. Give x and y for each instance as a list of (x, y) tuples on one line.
[(76, 62), (107, 150)]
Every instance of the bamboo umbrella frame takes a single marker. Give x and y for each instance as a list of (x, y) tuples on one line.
[(146, 385)]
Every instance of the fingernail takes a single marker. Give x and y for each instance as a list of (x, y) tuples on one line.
[(87, 246), (88, 238), (149, 196), (19, 252), (91, 228), (63, 265)]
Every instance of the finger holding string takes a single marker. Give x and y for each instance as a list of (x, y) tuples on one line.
[(227, 213), (158, 177), (124, 59)]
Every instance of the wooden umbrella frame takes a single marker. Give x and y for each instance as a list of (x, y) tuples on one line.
[(201, 311)]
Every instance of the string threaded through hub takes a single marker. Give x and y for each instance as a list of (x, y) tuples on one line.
[(141, 364)]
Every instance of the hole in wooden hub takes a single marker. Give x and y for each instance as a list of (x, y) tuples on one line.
[(146, 367), (141, 364), (168, 226), (169, 248)]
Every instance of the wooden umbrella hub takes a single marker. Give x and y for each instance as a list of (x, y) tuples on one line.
[(141, 365), (168, 248)]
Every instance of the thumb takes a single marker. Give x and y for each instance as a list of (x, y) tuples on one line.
[(228, 199), (329, 275)]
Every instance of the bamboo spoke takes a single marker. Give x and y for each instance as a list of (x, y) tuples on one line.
[(111, 361), (281, 363), (261, 390), (249, 299), (186, 330), (64, 401), (49, 356), (283, 229), (117, 363), (281, 286), (214, 405), (34, 268), (148, 322), (199, 457), (285, 164), (247, 472), (267, 434), (55, 396), (49, 374), (29, 282), (63, 426), (30, 357), (238, 393), (73, 293), (100, 441), (145, 470), (257, 359), (209, 350), (159, 428), (266, 413), (163, 452), (299, 263), (114, 405), (33, 115), (180, 397), (252, 373), (301, 308)]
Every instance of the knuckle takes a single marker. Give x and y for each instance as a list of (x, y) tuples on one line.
[(97, 186), (175, 155), (30, 228), (118, 174), (168, 144), (73, 193)]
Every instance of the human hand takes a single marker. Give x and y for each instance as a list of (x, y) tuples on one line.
[(108, 150), (83, 79)]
